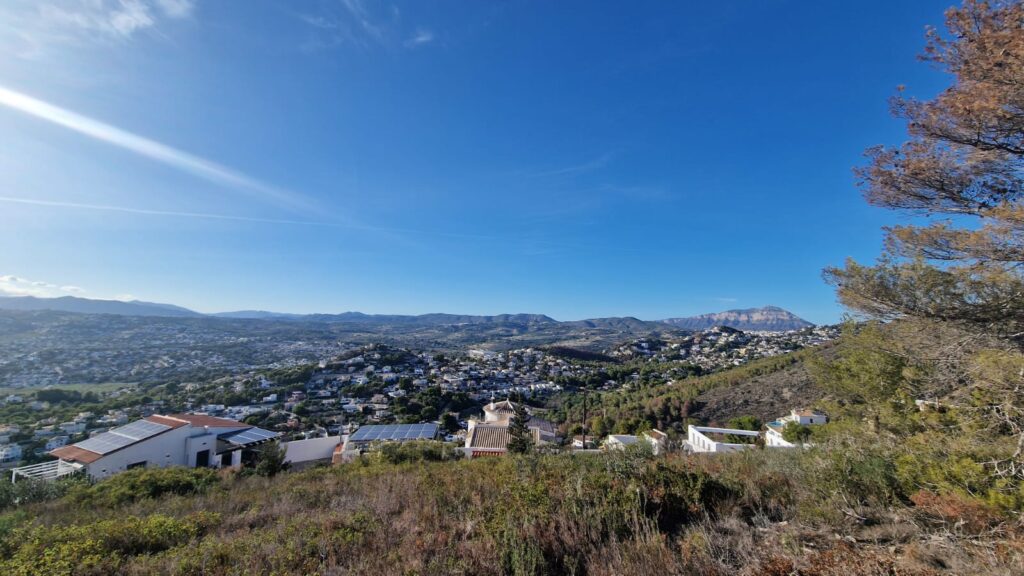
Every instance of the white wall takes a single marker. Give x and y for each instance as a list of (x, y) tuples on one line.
[(774, 439), (312, 449), (166, 449), (700, 443)]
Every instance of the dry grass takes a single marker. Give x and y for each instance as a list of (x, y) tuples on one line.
[(543, 515)]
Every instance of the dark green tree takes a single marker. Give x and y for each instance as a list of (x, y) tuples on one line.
[(450, 423), (520, 438), (796, 433), (270, 460)]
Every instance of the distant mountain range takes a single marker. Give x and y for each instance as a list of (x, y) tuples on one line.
[(89, 306), (767, 318)]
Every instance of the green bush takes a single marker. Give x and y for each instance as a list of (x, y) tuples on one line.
[(401, 452), (676, 496), (99, 547), (141, 483), (29, 491)]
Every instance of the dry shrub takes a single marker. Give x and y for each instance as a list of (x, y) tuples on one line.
[(955, 512), (845, 560)]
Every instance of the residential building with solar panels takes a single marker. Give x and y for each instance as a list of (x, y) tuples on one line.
[(367, 435), (192, 440)]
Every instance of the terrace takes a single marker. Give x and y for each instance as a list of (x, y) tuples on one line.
[(698, 440), (52, 470)]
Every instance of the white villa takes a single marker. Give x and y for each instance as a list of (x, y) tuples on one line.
[(656, 438), (710, 439), (10, 453), (773, 430), (192, 440)]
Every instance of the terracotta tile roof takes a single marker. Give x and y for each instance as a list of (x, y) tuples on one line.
[(479, 453), (167, 421), (75, 454), (211, 421), (483, 436)]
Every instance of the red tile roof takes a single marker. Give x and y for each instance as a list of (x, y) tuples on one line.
[(211, 421), (486, 436), (167, 421), (75, 454)]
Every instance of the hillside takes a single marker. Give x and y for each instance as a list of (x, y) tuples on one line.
[(90, 306), (766, 388), (769, 318), (765, 395), (403, 512)]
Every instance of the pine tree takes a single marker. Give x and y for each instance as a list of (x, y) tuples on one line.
[(955, 285), (520, 438), (964, 161)]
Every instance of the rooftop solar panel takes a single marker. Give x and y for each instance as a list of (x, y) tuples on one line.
[(249, 436), (106, 442), (141, 429), (120, 437), (395, 432)]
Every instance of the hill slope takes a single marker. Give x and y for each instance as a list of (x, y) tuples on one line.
[(90, 306)]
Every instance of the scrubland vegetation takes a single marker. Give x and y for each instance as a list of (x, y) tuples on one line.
[(840, 508)]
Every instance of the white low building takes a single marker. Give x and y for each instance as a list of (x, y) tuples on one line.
[(698, 439), (619, 441), (10, 453), (655, 438), (773, 430), (56, 442), (192, 440), (806, 417)]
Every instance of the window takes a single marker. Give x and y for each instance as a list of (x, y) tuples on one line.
[(136, 465)]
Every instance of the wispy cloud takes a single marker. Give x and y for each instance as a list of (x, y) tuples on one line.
[(401, 234), (11, 285), (177, 8), (364, 25), (189, 163), (421, 37), (358, 12), (174, 213), (33, 25), (580, 168)]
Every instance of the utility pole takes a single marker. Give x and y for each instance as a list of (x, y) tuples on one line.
[(584, 418)]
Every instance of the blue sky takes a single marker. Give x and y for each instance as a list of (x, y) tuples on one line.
[(578, 159)]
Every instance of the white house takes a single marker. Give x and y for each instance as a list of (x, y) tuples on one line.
[(657, 439), (698, 439), (73, 427), (191, 440), (773, 430), (10, 453), (620, 441), (806, 417), (56, 442)]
